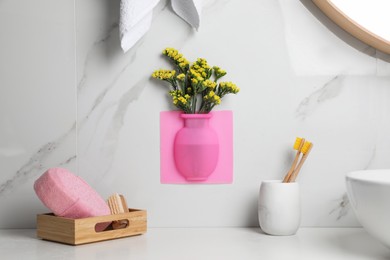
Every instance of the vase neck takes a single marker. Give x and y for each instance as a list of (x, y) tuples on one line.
[(196, 120)]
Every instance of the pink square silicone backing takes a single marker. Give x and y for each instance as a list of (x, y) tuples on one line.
[(222, 123)]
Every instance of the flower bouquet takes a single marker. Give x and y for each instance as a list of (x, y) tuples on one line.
[(195, 88)]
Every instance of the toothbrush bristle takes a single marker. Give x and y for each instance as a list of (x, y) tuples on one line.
[(306, 147), (297, 143)]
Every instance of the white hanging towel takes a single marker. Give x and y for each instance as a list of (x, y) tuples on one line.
[(189, 10), (135, 20)]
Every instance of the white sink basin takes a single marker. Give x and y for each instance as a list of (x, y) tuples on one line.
[(369, 194)]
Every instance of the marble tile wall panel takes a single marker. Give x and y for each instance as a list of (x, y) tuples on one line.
[(37, 101)]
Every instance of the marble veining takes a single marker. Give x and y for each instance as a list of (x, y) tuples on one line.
[(331, 89), (371, 160), (96, 44), (37, 162), (99, 46), (128, 97), (100, 97), (117, 121), (343, 204), (114, 127), (343, 207)]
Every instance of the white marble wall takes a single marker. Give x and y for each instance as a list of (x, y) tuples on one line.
[(63, 73), (37, 101)]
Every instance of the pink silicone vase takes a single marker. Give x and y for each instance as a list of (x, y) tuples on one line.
[(196, 147)]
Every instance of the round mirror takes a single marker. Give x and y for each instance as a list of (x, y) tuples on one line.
[(364, 19)]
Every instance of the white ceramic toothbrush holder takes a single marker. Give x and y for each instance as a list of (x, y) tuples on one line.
[(279, 207)]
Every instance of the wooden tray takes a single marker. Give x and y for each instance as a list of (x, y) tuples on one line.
[(82, 231)]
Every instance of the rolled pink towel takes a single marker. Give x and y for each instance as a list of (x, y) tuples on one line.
[(70, 196)]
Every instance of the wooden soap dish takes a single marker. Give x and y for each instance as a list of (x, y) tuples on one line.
[(82, 231)]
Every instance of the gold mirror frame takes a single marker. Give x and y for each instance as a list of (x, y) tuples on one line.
[(351, 26)]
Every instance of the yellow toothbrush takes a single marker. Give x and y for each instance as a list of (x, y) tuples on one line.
[(299, 142), (305, 150)]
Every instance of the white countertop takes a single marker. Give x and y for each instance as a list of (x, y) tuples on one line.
[(203, 243)]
